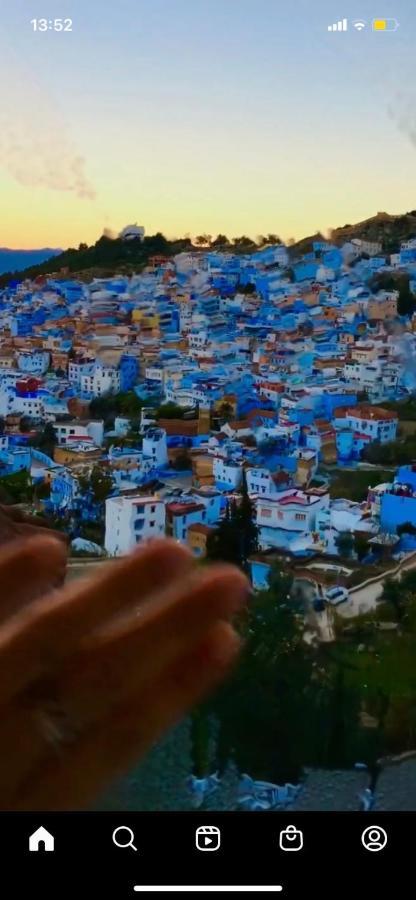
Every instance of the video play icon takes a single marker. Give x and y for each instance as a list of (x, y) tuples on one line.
[(207, 837)]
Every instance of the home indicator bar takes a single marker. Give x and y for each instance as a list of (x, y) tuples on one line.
[(268, 888)]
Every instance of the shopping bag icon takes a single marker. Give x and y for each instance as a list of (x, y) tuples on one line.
[(291, 839)]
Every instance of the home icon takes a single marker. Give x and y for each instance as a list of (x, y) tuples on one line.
[(41, 840)]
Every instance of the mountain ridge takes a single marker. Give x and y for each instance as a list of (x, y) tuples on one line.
[(18, 260), (113, 255)]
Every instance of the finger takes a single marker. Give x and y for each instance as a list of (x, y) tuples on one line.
[(28, 569), (58, 711), (136, 652), (76, 779), (49, 629)]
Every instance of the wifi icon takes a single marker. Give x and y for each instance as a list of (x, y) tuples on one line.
[(359, 25)]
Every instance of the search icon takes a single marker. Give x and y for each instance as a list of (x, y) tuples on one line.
[(123, 842)]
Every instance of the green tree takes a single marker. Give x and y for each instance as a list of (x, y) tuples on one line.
[(203, 240), (392, 453), (248, 288), (18, 486), (361, 546), (261, 709), (236, 537), (344, 542), (42, 491), (25, 424), (99, 482), (393, 595), (406, 303), (269, 239), (126, 403), (243, 242), (220, 241), (223, 543), (406, 528), (245, 518), (183, 461), (171, 411), (46, 439), (225, 411), (129, 404)]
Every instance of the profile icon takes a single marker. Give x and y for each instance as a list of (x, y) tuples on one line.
[(374, 838)]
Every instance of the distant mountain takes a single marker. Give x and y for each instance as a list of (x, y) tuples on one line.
[(17, 260)]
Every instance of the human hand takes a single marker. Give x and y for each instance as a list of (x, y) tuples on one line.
[(93, 673)]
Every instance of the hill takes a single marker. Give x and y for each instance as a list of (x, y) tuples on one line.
[(18, 260), (104, 258), (382, 228), (386, 229), (109, 256), (305, 245)]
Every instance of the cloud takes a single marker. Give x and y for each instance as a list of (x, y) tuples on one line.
[(403, 112), (35, 147)]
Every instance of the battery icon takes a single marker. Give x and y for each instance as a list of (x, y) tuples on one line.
[(385, 24)]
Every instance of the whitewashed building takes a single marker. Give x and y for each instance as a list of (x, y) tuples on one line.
[(155, 446), (132, 520), (284, 519), (101, 380), (227, 473), (35, 362)]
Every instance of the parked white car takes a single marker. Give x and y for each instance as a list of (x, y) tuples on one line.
[(336, 595)]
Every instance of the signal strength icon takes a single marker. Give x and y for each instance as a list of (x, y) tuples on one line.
[(359, 25), (342, 25)]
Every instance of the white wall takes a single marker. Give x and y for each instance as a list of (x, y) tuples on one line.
[(155, 446), (130, 521), (227, 473)]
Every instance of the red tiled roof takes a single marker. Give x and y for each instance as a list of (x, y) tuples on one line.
[(365, 412), (294, 498), (199, 528), (179, 509), (264, 413)]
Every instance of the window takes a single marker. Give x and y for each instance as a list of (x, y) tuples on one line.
[(300, 517), (267, 513), (152, 523)]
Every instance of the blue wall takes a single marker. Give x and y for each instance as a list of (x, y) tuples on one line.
[(395, 510)]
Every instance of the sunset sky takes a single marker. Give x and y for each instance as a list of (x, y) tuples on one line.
[(202, 115)]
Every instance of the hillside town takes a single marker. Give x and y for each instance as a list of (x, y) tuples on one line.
[(136, 406)]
